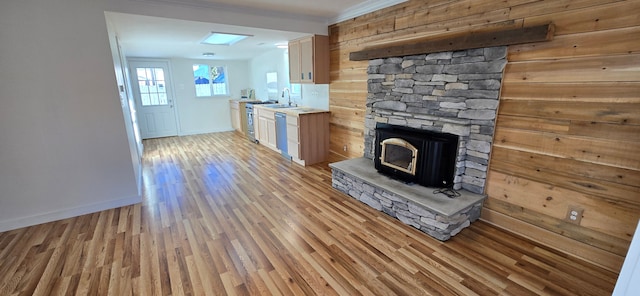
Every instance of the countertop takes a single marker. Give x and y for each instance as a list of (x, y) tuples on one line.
[(244, 100), (299, 110)]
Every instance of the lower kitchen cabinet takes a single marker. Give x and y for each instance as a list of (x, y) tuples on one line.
[(293, 139), (308, 137), (307, 133), (236, 120), (266, 131), (271, 134)]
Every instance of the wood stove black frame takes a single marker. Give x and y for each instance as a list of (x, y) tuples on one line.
[(434, 161)]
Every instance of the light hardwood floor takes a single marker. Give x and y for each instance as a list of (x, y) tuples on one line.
[(222, 216)]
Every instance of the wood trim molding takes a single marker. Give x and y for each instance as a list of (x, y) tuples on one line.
[(459, 42)]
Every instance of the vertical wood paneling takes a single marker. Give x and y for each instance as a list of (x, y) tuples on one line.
[(568, 122)]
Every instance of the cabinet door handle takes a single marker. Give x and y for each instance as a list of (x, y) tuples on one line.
[(302, 76), (309, 75)]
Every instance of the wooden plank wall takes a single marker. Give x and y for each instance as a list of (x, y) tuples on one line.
[(568, 128)]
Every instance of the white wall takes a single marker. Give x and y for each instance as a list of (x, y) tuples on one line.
[(271, 61), (63, 144), (198, 115), (312, 95), (127, 103)]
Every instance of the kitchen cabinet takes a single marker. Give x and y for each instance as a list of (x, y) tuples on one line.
[(294, 62), (307, 132), (271, 134), (293, 137), (235, 115), (266, 129), (308, 137), (309, 60)]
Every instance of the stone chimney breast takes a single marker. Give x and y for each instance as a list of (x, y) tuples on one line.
[(455, 92)]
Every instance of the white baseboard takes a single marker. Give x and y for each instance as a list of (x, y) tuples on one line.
[(11, 224)]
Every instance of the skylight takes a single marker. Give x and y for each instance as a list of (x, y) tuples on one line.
[(218, 38)]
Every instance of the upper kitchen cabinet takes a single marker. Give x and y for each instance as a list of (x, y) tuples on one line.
[(309, 60)]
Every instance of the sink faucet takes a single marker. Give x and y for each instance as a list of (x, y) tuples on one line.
[(288, 95)]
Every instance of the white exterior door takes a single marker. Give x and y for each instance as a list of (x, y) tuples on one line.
[(154, 98)]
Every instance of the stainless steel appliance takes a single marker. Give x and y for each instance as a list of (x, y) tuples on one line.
[(251, 133)]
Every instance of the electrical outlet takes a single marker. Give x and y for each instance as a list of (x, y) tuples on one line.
[(574, 214), (344, 148)]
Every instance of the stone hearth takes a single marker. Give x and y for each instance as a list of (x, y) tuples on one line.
[(432, 213)]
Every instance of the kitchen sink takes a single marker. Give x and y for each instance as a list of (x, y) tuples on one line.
[(278, 106)]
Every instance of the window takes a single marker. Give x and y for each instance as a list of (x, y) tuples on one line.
[(151, 83), (210, 81)]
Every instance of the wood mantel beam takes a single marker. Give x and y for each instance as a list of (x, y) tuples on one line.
[(459, 42)]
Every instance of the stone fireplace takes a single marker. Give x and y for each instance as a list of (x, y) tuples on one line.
[(453, 92)]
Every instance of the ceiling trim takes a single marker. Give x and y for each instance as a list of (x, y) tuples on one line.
[(363, 8)]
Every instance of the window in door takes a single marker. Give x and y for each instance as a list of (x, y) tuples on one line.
[(152, 85), (210, 80)]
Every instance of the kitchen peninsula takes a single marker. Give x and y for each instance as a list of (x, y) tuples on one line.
[(304, 137)]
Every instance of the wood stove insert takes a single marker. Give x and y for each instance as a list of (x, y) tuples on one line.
[(418, 156)]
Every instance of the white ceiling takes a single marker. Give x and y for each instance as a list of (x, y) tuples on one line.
[(146, 36)]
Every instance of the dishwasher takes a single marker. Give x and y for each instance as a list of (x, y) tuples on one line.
[(281, 134)]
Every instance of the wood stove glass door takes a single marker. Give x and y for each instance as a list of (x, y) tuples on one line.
[(399, 154)]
